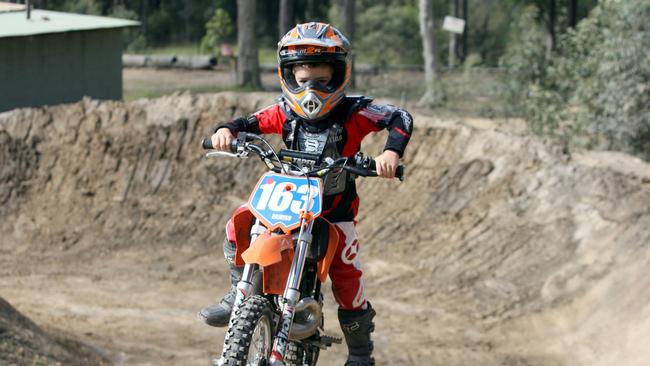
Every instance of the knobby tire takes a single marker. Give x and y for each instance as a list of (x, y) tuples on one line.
[(250, 313)]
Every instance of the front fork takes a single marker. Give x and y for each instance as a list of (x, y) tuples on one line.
[(244, 287), (291, 294)]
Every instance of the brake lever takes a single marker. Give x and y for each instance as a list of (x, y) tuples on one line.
[(214, 154)]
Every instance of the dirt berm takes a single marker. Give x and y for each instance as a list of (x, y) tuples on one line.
[(498, 249)]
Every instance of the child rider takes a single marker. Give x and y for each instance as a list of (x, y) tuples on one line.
[(314, 115)]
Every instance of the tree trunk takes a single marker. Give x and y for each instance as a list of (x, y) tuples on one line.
[(348, 18), (248, 70), (187, 13), (465, 32), (431, 97), (573, 13), (552, 15), (348, 12), (144, 13), (286, 17), (453, 11)]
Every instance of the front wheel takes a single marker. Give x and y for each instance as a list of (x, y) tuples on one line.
[(250, 338)]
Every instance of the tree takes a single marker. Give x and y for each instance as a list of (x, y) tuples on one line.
[(432, 96), (348, 18), (248, 70), (347, 10), (286, 17), (217, 31)]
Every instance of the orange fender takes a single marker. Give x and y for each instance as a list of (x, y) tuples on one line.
[(274, 253), (267, 248)]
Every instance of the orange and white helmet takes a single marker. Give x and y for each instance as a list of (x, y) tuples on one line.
[(314, 43)]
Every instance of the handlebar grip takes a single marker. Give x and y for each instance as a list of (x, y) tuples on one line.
[(233, 146), (206, 144), (399, 173), (358, 171)]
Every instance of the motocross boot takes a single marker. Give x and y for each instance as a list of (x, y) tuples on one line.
[(218, 315), (357, 326)]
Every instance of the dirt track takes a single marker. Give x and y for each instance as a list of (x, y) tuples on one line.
[(497, 250)]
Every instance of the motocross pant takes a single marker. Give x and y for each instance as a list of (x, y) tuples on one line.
[(345, 270)]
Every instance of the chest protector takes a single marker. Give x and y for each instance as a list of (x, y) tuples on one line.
[(324, 142), (325, 138)]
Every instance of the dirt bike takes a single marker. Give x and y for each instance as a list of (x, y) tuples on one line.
[(277, 316)]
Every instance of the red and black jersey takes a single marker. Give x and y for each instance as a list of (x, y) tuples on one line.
[(337, 135)]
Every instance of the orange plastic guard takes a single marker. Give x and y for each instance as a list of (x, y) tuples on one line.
[(266, 249), (242, 219), (276, 275), (332, 244)]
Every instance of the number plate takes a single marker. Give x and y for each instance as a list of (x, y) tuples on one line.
[(278, 199)]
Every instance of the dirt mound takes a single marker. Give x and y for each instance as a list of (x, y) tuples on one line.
[(23, 343), (497, 250)]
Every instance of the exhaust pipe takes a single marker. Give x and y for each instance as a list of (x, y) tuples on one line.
[(309, 316)]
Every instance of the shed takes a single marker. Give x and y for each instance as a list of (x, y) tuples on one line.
[(56, 57)]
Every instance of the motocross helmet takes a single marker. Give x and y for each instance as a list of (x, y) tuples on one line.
[(314, 43)]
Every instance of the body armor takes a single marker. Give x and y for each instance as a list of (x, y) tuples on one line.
[(323, 142)]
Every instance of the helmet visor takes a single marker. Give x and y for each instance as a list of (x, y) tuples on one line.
[(337, 79)]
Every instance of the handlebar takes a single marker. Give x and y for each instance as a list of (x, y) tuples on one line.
[(206, 144), (360, 164)]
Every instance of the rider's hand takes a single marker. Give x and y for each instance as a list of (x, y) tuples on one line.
[(221, 139), (387, 163)]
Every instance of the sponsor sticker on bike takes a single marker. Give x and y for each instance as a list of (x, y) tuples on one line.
[(278, 199)]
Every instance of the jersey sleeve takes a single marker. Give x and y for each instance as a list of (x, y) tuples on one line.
[(397, 121), (265, 121)]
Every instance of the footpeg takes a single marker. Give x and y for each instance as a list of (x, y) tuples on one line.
[(322, 341), (329, 340)]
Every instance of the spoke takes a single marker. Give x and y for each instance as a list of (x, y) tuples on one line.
[(259, 343)]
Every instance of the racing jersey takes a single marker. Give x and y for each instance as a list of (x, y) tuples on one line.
[(339, 134)]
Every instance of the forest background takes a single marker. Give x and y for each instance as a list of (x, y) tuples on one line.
[(577, 71)]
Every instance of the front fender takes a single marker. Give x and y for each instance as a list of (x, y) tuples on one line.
[(275, 253), (267, 249)]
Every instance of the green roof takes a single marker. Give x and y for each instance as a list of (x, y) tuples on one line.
[(16, 24)]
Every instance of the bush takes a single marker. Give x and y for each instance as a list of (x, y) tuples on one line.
[(595, 92)]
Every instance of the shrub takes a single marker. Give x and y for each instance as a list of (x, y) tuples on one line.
[(595, 92), (217, 30)]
